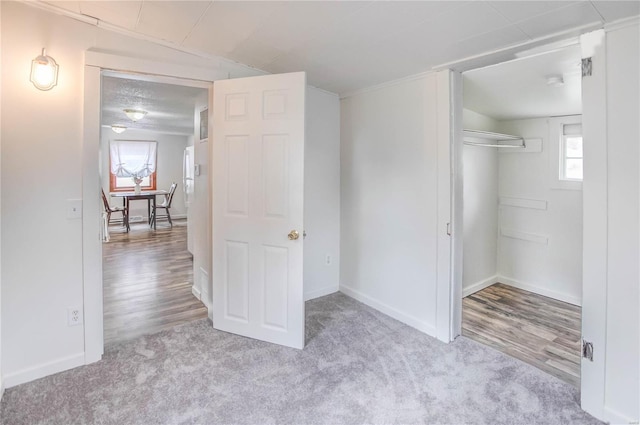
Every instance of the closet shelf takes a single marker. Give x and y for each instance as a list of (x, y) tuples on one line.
[(485, 138)]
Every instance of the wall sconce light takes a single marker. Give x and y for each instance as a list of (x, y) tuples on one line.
[(44, 72), (118, 128), (135, 114)]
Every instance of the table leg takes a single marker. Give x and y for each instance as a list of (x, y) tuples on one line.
[(149, 209), (154, 213), (126, 208)]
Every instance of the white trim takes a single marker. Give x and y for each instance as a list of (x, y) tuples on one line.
[(91, 224), (168, 72), (535, 204), (205, 284), (321, 292), (524, 236), (324, 91), (92, 221), (613, 417), (539, 290), (389, 311), (386, 84), (622, 23), (196, 293), (457, 202), (479, 285), (505, 54), (444, 136), (45, 369)]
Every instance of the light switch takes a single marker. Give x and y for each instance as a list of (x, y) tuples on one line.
[(74, 208), (196, 169)]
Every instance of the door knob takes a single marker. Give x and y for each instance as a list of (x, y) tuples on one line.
[(293, 235)]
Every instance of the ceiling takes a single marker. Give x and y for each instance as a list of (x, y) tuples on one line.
[(170, 108), (348, 45), (519, 88)]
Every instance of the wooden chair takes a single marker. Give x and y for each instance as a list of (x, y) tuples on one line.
[(109, 210), (166, 205)]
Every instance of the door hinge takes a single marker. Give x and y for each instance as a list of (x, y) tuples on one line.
[(587, 350), (587, 67)]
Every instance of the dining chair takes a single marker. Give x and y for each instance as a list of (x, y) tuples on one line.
[(166, 205), (109, 210)]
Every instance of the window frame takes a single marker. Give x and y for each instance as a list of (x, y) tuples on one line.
[(564, 157), (556, 153), (152, 177)]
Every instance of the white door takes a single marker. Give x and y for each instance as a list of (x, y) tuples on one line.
[(595, 223), (258, 165)]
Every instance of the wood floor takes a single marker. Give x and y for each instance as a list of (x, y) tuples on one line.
[(538, 330), (147, 277)]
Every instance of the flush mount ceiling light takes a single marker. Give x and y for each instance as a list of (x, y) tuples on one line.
[(44, 72), (555, 81), (135, 114), (118, 128)]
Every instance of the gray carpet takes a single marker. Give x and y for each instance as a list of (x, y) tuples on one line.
[(359, 367)]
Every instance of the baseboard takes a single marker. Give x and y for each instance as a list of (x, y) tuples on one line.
[(479, 286), (613, 417), (389, 311), (320, 292), (45, 369), (196, 292), (540, 291)]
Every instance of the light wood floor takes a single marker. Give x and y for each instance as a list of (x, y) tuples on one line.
[(147, 277), (538, 330)]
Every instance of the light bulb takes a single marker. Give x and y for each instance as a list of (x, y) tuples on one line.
[(44, 72)]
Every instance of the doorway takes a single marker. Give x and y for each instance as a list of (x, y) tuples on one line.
[(522, 209), (151, 211)]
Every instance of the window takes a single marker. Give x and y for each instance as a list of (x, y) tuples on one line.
[(565, 152), (571, 152), (130, 160)]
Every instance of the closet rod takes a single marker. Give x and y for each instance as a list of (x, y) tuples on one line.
[(489, 137), (488, 145)]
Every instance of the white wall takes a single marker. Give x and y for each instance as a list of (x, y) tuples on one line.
[(41, 168), (622, 392), (389, 199), (552, 268), (480, 208), (322, 194), (169, 168), (199, 220)]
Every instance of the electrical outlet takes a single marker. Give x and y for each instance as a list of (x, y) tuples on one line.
[(328, 260), (74, 316)]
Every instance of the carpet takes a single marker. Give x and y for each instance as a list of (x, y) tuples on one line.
[(359, 367)]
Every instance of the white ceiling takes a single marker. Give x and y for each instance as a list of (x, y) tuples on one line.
[(170, 108), (348, 45), (519, 89)]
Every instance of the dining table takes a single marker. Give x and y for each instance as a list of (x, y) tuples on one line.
[(148, 195)]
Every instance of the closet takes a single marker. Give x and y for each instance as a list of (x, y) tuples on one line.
[(522, 209)]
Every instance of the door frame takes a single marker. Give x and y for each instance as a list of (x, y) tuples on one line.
[(594, 198), (95, 64)]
